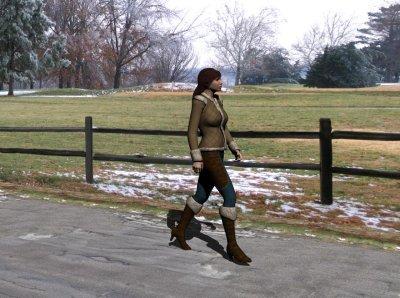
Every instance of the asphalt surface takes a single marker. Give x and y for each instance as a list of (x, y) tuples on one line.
[(63, 250)]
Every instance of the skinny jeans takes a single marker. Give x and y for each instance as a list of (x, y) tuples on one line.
[(214, 174)]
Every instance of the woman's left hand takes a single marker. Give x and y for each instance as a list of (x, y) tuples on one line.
[(238, 155)]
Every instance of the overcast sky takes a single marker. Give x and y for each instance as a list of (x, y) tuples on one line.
[(295, 17)]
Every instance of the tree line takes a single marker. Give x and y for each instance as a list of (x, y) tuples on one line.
[(116, 43)]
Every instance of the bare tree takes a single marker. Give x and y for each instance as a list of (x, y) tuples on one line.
[(173, 60), (237, 33), (312, 43), (128, 27), (336, 30), (76, 20)]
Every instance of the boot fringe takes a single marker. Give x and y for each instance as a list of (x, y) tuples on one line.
[(195, 206), (229, 212)]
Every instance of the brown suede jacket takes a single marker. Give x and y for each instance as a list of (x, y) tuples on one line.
[(209, 116)]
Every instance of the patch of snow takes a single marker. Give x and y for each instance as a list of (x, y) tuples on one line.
[(207, 270), (243, 208), (63, 96), (351, 208), (24, 196), (17, 92), (200, 217), (272, 231), (124, 190), (33, 236), (155, 180), (288, 208)]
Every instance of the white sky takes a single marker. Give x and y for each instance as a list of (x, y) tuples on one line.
[(296, 17)]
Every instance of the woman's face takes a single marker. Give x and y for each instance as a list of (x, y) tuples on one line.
[(216, 85)]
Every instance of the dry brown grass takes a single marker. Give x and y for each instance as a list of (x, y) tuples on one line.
[(390, 147)]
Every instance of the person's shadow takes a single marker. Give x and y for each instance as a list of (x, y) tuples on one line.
[(194, 230)]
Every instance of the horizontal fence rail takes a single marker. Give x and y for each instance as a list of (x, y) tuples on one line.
[(239, 134), (43, 151), (42, 129), (325, 137), (366, 172), (179, 161), (361, 135)]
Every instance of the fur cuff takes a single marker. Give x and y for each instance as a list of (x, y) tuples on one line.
[(229, 212), (196, 155), (195, 206)]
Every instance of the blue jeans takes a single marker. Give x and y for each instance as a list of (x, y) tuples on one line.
[(214, 174)]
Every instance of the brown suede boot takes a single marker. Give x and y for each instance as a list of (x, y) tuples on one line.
[(228, 216), (191, 208)]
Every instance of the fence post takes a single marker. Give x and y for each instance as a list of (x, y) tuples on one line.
[(89, 149), (325, 146)]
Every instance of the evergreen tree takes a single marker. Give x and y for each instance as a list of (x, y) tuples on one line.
[(276, 64), (22, 31), (51, 56), (342, 67), (383, 35)]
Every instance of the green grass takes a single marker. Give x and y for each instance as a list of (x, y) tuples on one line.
[(170, 111)]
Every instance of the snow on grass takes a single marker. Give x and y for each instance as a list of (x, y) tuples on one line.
[(252, 185), (66, 96), (17, 92), (125, 190), (350, 207), (178, 183), (170, 86)]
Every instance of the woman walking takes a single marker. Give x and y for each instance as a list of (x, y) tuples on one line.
[(209, 116)]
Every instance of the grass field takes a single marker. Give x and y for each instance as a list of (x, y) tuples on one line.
[(258, 108)]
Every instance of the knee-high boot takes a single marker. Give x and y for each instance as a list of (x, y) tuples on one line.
[(228, 216), (191, 208)]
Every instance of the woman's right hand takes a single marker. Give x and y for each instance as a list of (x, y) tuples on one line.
[(197, 166)]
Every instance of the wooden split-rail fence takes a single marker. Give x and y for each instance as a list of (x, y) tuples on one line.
[(325, 136)]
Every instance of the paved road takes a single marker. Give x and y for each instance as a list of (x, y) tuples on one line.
[(61, 250)]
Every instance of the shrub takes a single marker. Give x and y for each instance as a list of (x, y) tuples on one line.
[(341, 67)]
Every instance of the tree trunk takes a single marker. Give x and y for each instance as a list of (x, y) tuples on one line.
[(69, 79), (11, 86), (238, 74), (1, 86), (11, 77), (60, 79), (77, 74), (117, 77), (32, 84)]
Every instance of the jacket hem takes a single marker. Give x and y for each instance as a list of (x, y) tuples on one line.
[(213, 148)]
